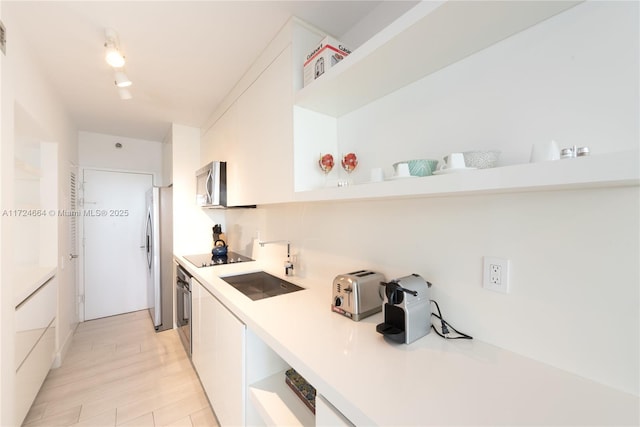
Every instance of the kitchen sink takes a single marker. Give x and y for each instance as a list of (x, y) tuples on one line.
[(260, 285)]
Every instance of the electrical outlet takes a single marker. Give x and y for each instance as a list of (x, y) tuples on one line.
[(496, 274)]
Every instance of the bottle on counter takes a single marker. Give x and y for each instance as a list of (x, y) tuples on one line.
[(218, 234)]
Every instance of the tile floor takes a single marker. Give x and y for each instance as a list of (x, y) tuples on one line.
[(120, 372)]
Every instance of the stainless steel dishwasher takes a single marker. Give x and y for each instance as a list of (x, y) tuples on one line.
[(183, 307)]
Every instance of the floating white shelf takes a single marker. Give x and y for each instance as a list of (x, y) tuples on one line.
[(604, 170), (426, 39), (277, 404)]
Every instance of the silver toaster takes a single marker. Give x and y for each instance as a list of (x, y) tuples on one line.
[(358, 295)]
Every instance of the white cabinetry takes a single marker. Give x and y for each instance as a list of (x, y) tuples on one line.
[(233, 362), (265, 135), (220, 142), (218, 355), (32, 216), (253, 129), (254, 137), (270, 400), (34, 343), (196, 326), (327, 415)]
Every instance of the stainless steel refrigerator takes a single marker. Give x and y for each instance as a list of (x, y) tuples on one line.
[(159, 247)]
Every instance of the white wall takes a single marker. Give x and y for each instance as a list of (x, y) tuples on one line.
[(191, 224), (167, 160), (25, 85), (574, 300), (98, 150), (5, 351)]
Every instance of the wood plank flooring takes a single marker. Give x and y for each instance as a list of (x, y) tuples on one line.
[(120, 372)]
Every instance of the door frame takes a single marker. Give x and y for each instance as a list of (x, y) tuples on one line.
[(69, 260), (75, 259), (81, 238)]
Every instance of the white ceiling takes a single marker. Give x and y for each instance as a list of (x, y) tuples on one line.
[(182, 56)]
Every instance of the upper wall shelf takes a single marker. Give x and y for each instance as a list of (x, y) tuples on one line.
[(426, 39), (597, 171)]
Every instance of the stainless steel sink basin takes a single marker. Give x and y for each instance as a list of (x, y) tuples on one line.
[(260, 285)]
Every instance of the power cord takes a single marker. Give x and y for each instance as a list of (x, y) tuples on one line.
[(444, 326)]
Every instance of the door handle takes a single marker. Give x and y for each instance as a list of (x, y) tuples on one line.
[(72, 256)]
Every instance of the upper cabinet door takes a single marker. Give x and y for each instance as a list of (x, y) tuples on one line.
[(220, 143), (265, 136), (252, 129)]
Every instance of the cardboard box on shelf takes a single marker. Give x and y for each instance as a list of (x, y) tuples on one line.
[(327, 54)]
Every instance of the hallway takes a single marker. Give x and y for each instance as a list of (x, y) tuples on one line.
[(120, 372)]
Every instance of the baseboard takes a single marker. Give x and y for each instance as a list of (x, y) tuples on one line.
[(63, 349)]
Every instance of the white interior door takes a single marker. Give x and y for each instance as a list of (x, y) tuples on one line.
[(115, 264)]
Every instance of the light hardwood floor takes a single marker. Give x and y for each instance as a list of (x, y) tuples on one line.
[(120, 372)]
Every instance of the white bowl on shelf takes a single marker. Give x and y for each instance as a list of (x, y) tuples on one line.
[(481, 159)]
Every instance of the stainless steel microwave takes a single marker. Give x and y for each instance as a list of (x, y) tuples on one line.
[(211, 185)]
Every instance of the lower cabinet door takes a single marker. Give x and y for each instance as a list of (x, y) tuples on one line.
[(196, 324), (328, 415), (33, 371), (229, 387), (221, 365)]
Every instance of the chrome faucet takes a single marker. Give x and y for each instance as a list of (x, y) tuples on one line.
[(288, 265)]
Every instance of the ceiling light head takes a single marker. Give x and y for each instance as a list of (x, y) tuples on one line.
[(124, 95), (113, 55), (122, 80)]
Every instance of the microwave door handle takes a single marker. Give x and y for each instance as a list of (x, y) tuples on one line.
[(209, 187)]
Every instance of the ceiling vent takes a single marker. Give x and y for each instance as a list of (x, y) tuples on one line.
[(3, 38)]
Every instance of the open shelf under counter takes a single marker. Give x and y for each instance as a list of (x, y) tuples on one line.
[(277, 404), (426, 39), (596, 171), (27, 279)]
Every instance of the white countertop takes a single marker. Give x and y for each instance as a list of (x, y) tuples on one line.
[(432, 381)]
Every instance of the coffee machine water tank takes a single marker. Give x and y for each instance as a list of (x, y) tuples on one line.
[(407, 309)]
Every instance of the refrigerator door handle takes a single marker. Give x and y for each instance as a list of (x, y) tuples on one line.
[(148, 239)]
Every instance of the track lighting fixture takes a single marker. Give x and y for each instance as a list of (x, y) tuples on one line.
[(124, 94), (115, 59), (122, 80), (113, 55)]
